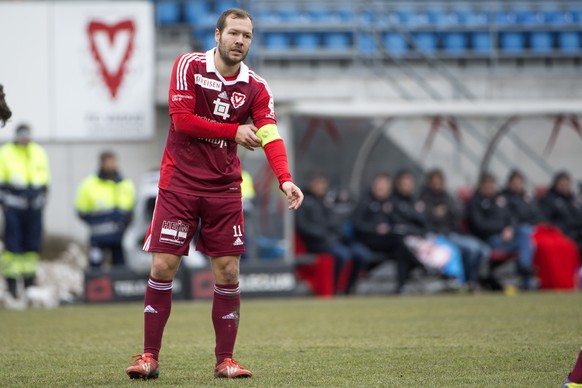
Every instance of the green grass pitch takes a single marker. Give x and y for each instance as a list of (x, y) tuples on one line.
[(528, 340)]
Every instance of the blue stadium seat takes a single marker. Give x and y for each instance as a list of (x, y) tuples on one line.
[(503, 18), (560, 18), (412, 19), (454, 42), (366, 17), (196, 12), (481, 42), (569, 41), (267, 17), (307, 41), (344, 12), (425, 42), (167, 12), (443, 19), (512, 41), (541, 41), (531, 18), (336, 40), (277, 40), (318, 11), (223, 5), (475, 19), (288, 11), (366, 43), (395, 44), (208, 41)]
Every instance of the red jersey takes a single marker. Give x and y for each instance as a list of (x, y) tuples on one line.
[(210, 166)]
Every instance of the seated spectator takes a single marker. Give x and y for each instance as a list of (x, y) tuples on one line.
[(373, 222), (410, 222), (490, 219), (443, 218), (321, 231), (562, 209), (521, 205)]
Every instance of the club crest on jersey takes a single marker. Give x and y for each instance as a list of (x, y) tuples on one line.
[(174, 232), (237, 99)]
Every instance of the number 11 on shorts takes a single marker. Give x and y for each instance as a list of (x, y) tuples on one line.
[(237, 230)]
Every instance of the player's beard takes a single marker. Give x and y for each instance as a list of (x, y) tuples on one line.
[(223, 52)]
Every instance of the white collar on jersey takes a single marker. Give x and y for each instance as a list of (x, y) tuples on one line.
[(243, 75)]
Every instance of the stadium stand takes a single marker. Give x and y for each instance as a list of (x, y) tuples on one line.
[(447, 29)]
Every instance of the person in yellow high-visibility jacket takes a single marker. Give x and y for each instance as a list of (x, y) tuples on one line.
[(24, 181), (105, 202)]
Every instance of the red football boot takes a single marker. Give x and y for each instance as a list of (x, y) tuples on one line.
[(231, 369), (143, 366)]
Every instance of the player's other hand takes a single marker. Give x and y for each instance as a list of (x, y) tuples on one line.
[(245, 136), (294, 195)]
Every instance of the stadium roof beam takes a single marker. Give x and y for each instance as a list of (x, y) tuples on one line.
[(412, 109)]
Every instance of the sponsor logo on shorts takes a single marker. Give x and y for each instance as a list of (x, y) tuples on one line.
[(174, 232), (237, 242)]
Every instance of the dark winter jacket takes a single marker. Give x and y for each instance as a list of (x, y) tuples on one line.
[(408, 215), (317, 224), (564, 211), (523, 208), (369, 214), (442, 212), (487, 217)]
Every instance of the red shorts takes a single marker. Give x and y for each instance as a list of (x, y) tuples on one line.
[(177, 217)]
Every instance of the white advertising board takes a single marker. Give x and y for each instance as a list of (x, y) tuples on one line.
[(94, 77)]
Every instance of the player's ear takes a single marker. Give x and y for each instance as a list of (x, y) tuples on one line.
[(216, 35)]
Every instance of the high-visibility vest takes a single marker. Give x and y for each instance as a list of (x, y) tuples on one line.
[(24, 166), (106, 205), (246, 187), (99, 196)]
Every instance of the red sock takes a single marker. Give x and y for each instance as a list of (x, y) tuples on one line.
[(576, 374), (225, 317), (157, 307)]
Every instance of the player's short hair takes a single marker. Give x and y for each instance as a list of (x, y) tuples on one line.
[(5, 112), (236, 13)]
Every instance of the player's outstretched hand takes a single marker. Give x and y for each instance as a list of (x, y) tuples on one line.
[(294, 195), (245, 136)]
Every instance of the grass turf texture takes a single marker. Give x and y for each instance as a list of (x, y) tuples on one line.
[(530, 340)]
